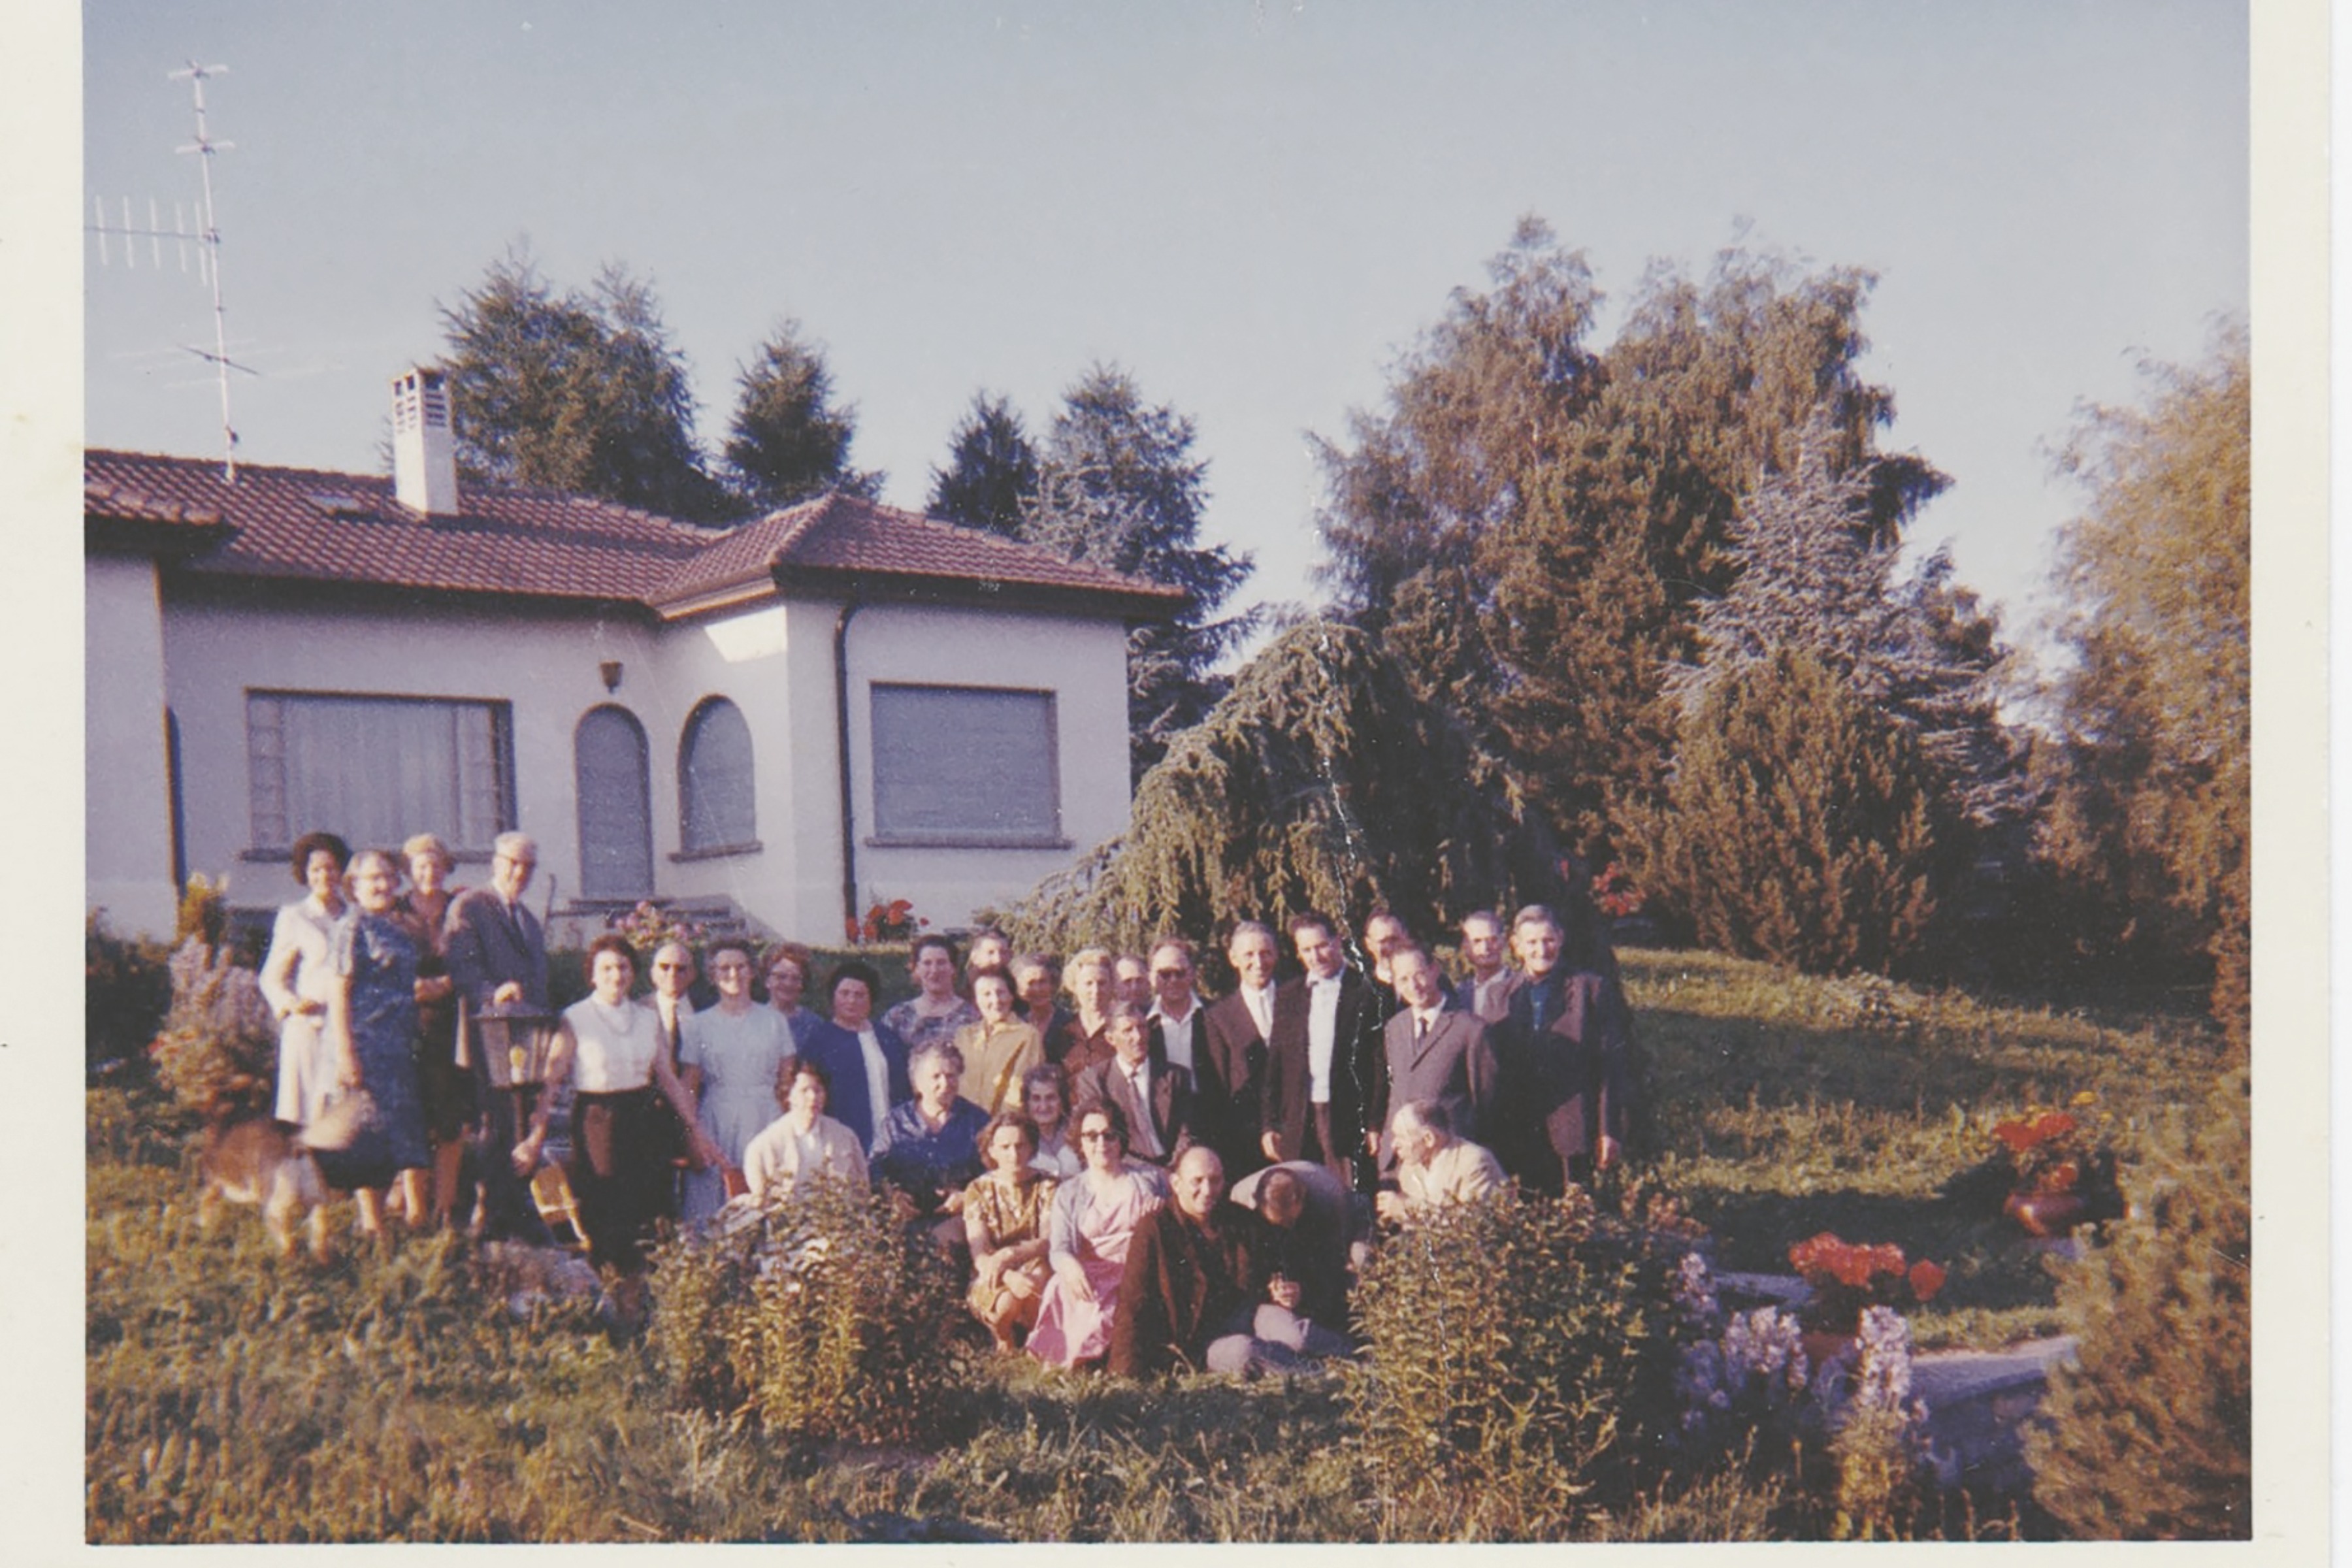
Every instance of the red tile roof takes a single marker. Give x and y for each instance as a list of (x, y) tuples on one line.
[(841, 536), (316, 524)]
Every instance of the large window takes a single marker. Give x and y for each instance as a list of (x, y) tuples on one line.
[(378, 769), (965, 765), (616, 814), (714, 781)]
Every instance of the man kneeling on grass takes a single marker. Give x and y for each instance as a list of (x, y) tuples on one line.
[(1197, 1291)]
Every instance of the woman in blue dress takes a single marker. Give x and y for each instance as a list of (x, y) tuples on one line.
[(372, 1034), (727, 1057)]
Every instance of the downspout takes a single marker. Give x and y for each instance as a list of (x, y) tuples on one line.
[(849, 608)]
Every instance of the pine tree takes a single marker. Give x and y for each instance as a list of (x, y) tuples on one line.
[(580, 391), (1118, 485), (790, 440), (1801, 825), (991, 470)]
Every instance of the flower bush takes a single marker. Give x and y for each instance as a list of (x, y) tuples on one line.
[(1846, 1277), (1614, 893), (218, 1050), (2049, 1150), (893, 921), (649, 925)]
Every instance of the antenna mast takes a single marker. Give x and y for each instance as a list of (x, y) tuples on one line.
[(204, 147)]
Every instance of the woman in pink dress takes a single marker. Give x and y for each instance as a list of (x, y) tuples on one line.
[(1094, 1216)]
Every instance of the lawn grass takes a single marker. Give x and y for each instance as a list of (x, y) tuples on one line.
[(233, 1397)]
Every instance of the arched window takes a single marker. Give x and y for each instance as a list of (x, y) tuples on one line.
[(616, 816), (714, 780)]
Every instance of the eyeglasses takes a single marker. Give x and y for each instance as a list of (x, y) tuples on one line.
[(660, 967), (1099, 1135), (1172, 975)]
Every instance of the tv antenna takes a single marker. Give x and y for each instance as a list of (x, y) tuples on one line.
[(207, 239)]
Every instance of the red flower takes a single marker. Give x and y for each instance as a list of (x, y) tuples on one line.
[(2055, 1124), (2018, 1135), (1926, 1278)]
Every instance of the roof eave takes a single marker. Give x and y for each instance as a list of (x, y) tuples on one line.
[(1130, 606)]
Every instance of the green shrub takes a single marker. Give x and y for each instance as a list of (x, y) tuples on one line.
[(2149, 1437), (125, 990), (824, 1320), (1803, 826), (1519, 1358)]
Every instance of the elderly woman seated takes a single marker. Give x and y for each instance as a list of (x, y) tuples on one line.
[(928, 1150), (804, 1145)]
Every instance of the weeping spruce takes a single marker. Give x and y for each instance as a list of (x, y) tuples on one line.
[(1320, 782)]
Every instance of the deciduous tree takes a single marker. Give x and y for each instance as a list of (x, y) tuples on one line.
[(2153, 812)]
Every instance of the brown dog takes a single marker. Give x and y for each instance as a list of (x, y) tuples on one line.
[(252, 1159)]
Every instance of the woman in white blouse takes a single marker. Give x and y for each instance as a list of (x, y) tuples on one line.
[(804, 1145), (297, 978), (609, 1048)]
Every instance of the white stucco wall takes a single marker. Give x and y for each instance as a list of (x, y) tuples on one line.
[(546, 668), (127, 824), (774, 661), (1083, 662)]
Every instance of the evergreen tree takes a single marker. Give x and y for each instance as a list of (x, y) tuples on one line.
[(992, 468), (574, 390), (790, 440), (1800, 824), (1321, 782), (2147, 1432), (1118, 485), (2152, 812)]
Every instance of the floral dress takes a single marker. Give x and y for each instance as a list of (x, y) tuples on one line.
[(917, 1029), (1011, 1214), (378, 957)]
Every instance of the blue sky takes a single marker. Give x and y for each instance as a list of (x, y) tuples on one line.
[(1251, 206)]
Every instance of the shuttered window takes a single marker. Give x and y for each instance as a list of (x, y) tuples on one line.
[(714, 780), (616, 826), (965, 765), (375, 769)]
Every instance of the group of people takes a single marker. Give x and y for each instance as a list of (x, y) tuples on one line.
[(1130, 1175)]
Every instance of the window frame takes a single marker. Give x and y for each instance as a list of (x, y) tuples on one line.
[(501, 762), (749, 843), (882, 836)]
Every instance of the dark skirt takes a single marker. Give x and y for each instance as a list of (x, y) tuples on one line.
[(620, 1172)]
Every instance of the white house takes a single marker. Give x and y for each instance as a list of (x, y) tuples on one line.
[(836, 703)]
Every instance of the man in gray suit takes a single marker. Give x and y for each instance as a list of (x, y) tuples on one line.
[(1435, 1053), (497, 964)]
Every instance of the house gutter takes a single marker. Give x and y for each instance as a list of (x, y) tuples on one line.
[(849, 608)]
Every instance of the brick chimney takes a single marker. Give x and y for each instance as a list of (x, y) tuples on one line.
[(424, 452)]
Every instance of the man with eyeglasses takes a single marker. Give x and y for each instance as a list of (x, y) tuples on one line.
[(498, 962), (674, 974)]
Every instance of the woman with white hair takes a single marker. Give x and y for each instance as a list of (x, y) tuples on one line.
[(370, 1034)]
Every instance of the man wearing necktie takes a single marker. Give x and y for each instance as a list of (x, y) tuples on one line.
[(1564, 1048), (1230, 1059), (1154, 1097), (498, 964), (1438, 1053)]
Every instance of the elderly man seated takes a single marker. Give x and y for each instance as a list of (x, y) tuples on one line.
[(1199, 1289), (1433, 1167)]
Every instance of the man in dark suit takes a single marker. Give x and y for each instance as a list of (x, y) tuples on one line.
[(1436, 1052), (1229, 1064), (1565, 1048), (1323, 1062), (1153, 1096), (497, 967)]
